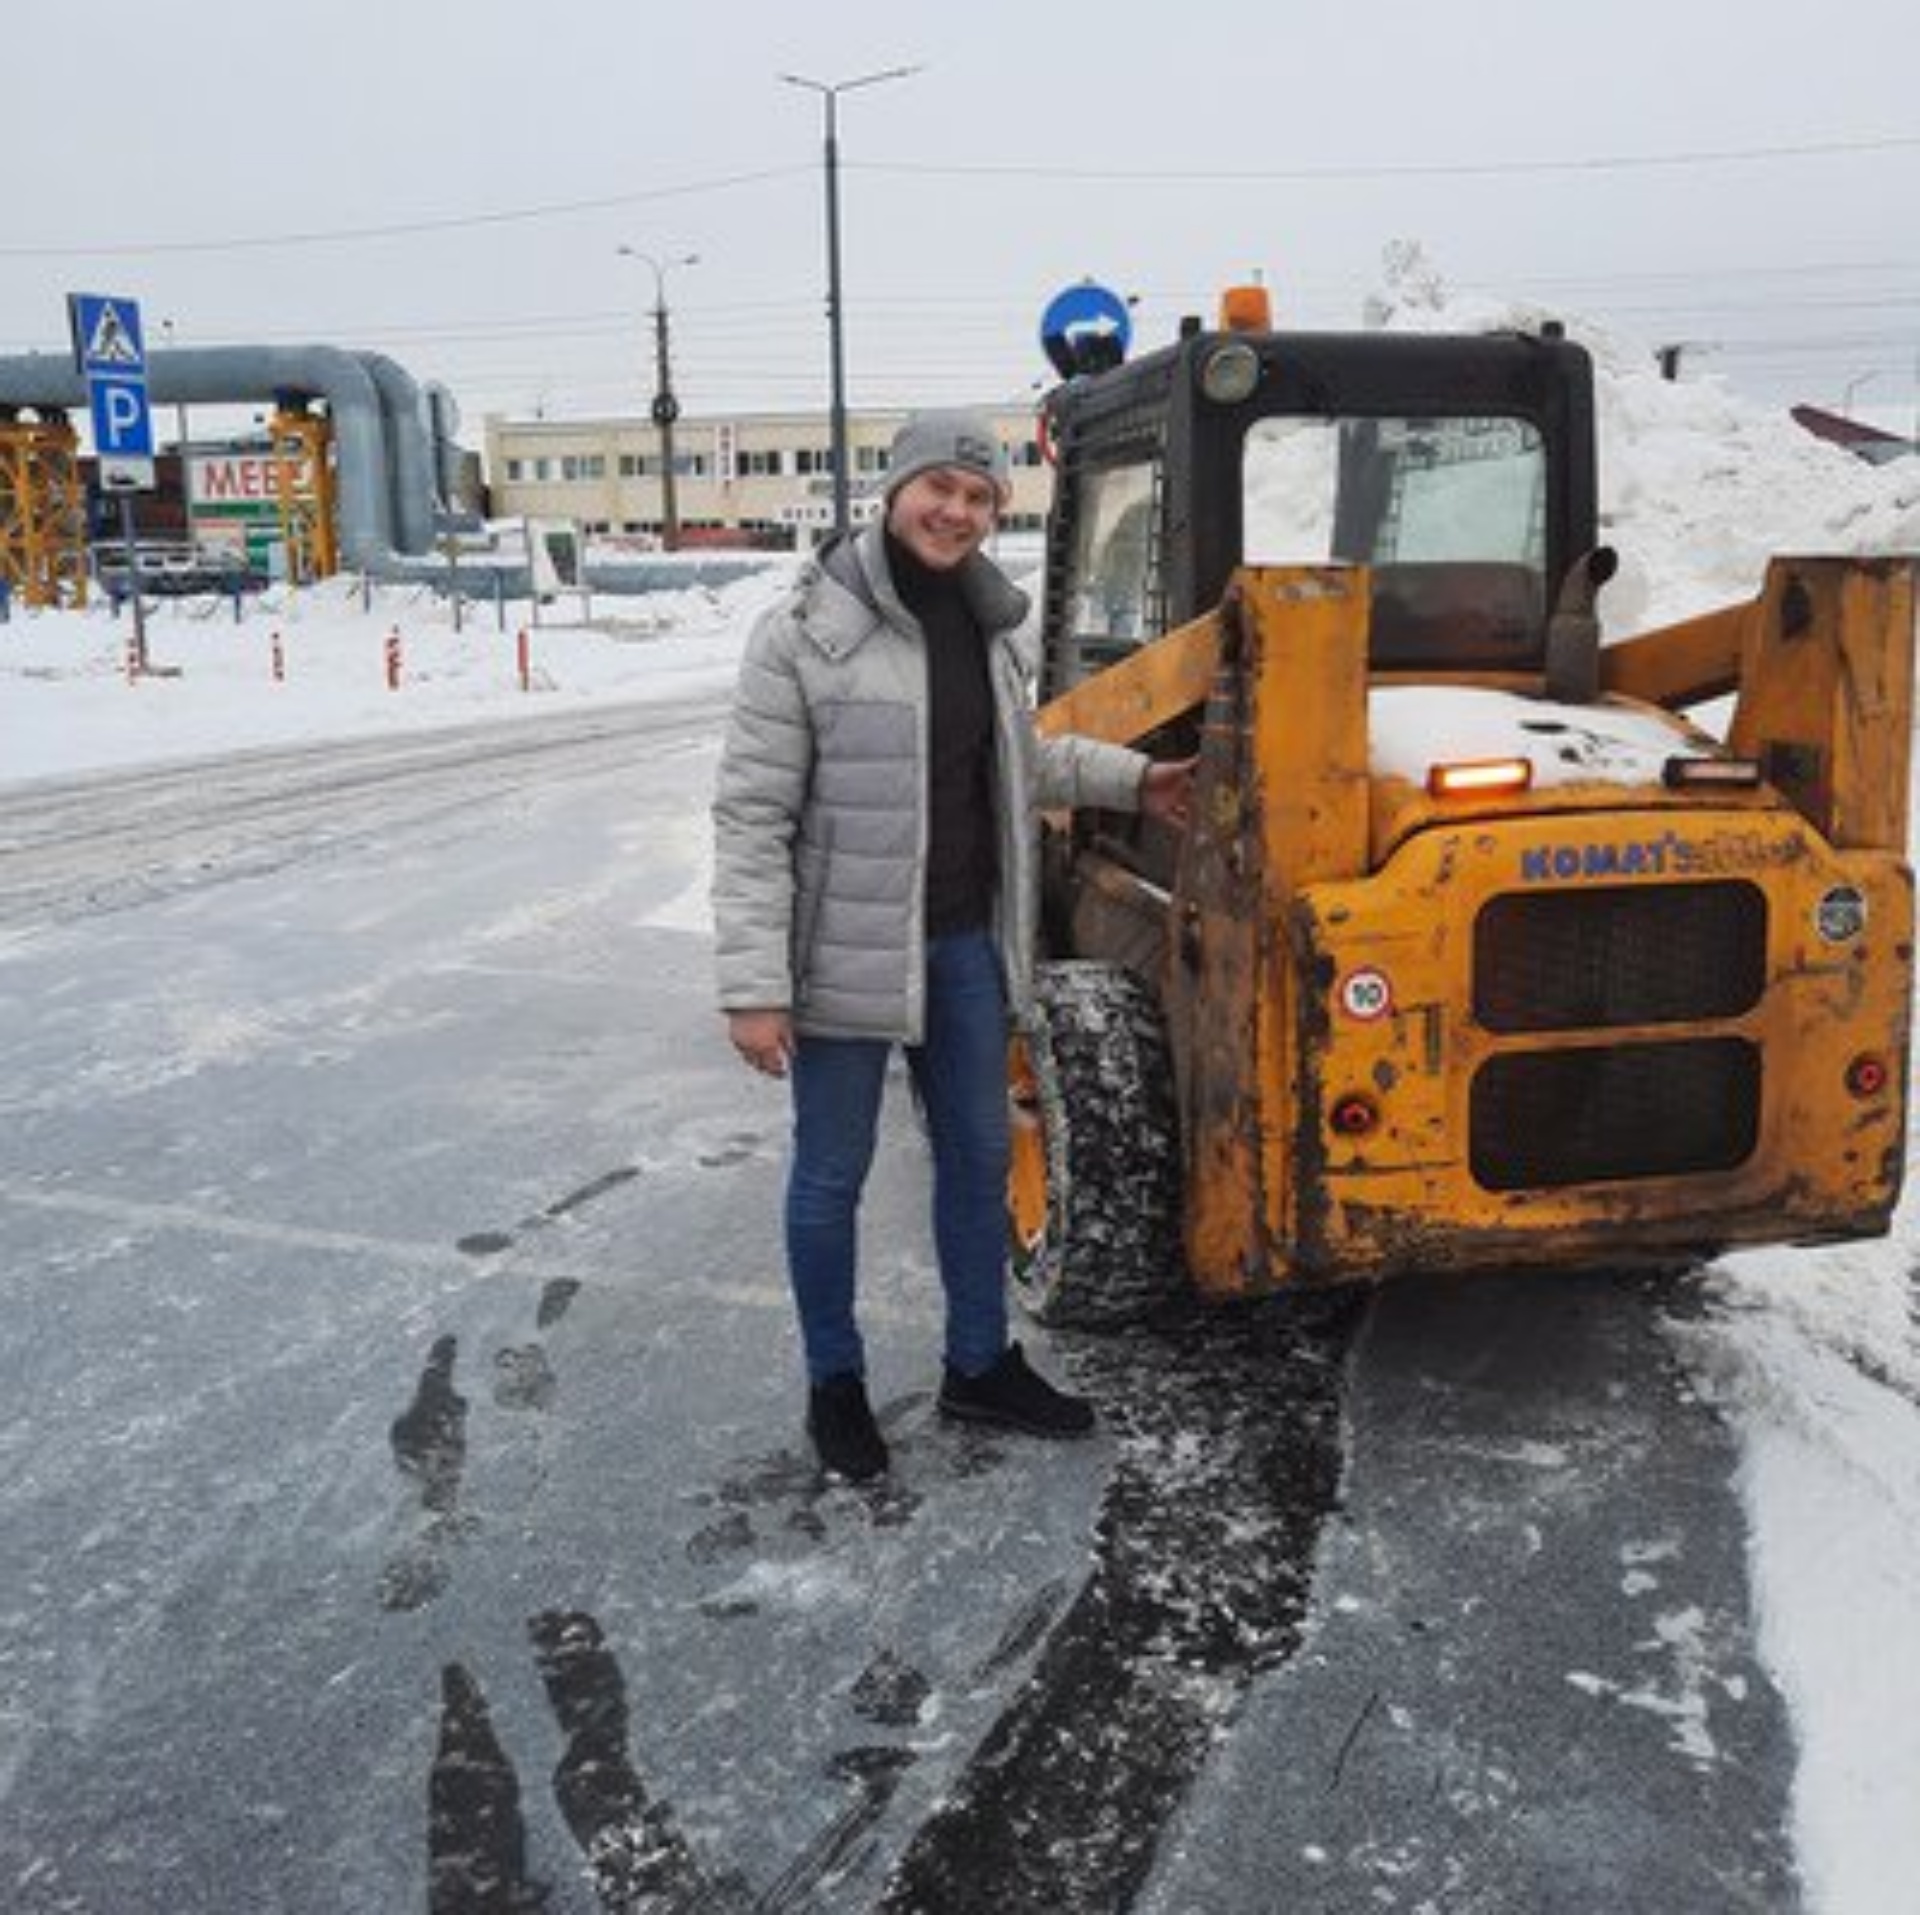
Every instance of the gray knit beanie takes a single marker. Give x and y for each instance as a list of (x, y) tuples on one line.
[(961, 439)]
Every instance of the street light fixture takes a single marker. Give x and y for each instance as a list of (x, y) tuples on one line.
[(829, 92), (666, 408)]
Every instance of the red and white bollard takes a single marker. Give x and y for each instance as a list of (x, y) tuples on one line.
[(524, 654), (393, 660), (279, 657)]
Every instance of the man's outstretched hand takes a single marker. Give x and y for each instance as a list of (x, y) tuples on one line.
[(1166, 791)]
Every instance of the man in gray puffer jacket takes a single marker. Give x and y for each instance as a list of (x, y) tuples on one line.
[(876, 883)]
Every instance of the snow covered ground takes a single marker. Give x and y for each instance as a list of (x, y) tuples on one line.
[(1813, 1357), (67, 705)]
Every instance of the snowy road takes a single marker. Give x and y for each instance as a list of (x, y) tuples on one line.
[(405, 1506), (402, 1489), (70, 846)]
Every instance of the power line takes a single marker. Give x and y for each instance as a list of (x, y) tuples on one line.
[(768, 320), (992, 170), (462, 222), (1386, 170), (1804, 269)]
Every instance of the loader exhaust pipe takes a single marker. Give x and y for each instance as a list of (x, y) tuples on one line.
[(1573, 632)]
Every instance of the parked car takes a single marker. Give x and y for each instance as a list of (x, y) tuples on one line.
[(173, 568)]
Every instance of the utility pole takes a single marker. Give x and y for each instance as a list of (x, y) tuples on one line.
[(829, 92), (666, 407)]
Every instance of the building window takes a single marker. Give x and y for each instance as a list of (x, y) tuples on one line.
[(641, 465), (542, 470), (813, 461), (870, 459), (516, 469), (758, 465), (575, 467)]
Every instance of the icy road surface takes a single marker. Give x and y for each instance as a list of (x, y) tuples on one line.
[(404, 1501)]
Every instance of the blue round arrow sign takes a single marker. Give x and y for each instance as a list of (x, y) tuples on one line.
[(1088, 324)]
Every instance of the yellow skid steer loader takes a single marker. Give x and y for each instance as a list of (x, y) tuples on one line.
[(1479, 951)]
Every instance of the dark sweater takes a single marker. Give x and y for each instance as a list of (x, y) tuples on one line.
[(960, 870)]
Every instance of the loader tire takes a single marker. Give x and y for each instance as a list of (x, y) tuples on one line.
[(1094, 1196)]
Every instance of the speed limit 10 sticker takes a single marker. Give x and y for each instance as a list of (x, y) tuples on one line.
[(1366, 995)]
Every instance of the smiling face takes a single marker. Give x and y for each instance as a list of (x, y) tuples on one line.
[(943, 515)]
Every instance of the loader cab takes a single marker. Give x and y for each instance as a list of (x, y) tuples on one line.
[(1459, 468)]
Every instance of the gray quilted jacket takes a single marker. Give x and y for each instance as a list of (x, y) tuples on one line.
[(820, 812)]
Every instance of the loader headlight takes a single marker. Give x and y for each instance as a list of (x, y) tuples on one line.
[(1717, 774), (1230, 372)]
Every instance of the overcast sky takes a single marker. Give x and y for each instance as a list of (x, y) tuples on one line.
[(1741, 175)]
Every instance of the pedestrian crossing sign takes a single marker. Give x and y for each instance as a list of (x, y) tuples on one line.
[(106, 336)]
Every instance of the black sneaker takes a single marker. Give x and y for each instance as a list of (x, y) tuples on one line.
[(843, 1430), (1012, 1397)]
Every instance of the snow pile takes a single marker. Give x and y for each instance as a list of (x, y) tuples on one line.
[(1698, 489), (1698, 486), (1815, 1361)]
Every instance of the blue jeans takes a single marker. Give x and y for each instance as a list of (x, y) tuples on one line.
[(960, 1071)]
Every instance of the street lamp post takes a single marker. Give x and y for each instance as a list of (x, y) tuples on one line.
[(666, 408), (179, 405), (829, 92), (179, 410)]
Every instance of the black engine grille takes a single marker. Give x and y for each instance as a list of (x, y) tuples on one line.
[(1593, 959), (1594, 1115)]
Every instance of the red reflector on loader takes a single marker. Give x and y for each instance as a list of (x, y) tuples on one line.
[(1354, 1115), (1867, 1075), (1479, 777)]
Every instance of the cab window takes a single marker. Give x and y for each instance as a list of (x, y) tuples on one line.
[(1114, 563), (1449, 513)]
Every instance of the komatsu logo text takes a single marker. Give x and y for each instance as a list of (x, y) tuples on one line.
[(1641, 858)]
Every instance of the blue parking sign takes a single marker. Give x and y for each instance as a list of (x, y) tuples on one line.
[(122, 421)]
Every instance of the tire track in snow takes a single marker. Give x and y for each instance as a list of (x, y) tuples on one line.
[(1229, 1459)]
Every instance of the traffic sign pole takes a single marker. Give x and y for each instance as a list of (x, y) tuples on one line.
[(110, 351), (133, 585)]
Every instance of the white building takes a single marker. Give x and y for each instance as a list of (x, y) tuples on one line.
[(765, 476)]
